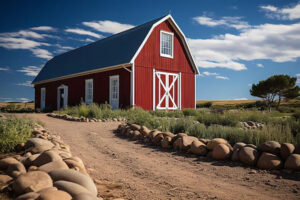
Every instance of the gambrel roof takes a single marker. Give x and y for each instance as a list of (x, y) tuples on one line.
[(118, 49)]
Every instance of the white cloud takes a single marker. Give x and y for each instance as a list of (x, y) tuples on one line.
[(276, 42), (108, 26), (260, 65), (233, 22), (289, 13), (43, 28), (62, 49), (5, 99), (23, 99), (42, 53), (222, 77), (4, 68), (83, 32), (30, 70), (26, 83), (19, 43), (249, 84), (209, 73)]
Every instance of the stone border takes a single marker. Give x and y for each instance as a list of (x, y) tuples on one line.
[(44, 168), (270, 155), (83, 119)]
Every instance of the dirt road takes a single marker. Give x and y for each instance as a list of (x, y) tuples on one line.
[(127, 169)]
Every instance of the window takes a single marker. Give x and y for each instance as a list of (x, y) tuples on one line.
[(166, 44), (89, 91)]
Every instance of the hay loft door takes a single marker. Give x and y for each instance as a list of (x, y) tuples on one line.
[(166, 91)]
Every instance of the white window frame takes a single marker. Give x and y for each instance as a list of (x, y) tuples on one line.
[(172, 45), (89, 101)]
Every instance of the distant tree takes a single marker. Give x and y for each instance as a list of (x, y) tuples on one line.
[(277, 87)]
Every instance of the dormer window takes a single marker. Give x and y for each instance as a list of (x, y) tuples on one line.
[(166, 44)]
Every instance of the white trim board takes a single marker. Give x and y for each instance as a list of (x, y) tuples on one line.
[(180, 33)]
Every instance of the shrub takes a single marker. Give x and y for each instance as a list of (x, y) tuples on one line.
[(214, 118), (14, 131), (204, 105), (190, 112)]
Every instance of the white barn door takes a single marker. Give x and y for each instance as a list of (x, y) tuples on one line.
[(166, 91)]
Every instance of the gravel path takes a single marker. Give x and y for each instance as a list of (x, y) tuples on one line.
[(131, 170)]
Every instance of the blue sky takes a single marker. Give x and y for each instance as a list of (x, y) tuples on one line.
[(235, 43)]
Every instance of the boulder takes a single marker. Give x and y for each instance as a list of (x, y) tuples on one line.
[(286, 150), (29, 161), (166, 142), (204, 141), (85, 196), (135, 135), (211, 144), (169, 134), (238, 145), (157, 139), (55, 195), (179, 135), (272, 147), (76, 163), (28, 196), (221, 152), (135, 127), (54, 165), (176, 143), (46, 157), (251, 145), (269, 161), (235, 155), (198, 148), (145, 131), (4, 179), (38, 145), (297, 150), (248, 156), (153, 134), (72, 188), (5, 162), (293, 162), (32, 181), (16, 169), (75, 177)]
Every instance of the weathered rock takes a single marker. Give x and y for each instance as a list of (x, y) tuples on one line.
[(286, 150), (135, 127), (166, 142), (157, 139), (176, 143), (248, 156), (198, 148), (55, 195), (186, 142), (179, 135), (238, 145), (16, 169), (272, 147), (251, 145), (297, 150), (135, 135), (169, 134), (54, 165), (75, 177), (221, 152), (76, 163), (145, 131), (4, 179), (204, 141), (46, 157), (28, 196), (211, 144), (38, 145), (70, 187), (85, 196), (235, 155), (5, 162), (29, 161), (32, 181), (293, 162), (153, 134), (269, 161)]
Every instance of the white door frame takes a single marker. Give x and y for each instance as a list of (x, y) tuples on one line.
[(167, 88), (114, 77), (89, 101), (65, 88), (43, 98)]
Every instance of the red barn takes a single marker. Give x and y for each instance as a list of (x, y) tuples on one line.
[(149, 66)]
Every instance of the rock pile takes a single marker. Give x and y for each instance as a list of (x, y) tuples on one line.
[(83, 119), (252, 125), (45, 169), (270, 155)]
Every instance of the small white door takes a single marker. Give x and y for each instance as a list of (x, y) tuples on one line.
[(62, 97), (88, 91), (43, 98), (114, 91)]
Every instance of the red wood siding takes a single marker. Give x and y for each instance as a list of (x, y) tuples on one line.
[(150, 58), (76, 89)]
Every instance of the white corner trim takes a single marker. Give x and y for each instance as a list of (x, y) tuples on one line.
[(132, 85), (160, 39), (180, 33)]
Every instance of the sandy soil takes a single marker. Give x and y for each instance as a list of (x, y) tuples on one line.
[(131, 170)]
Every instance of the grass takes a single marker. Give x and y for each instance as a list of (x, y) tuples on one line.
[(16, 107), (14, 131), (202, 123)]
